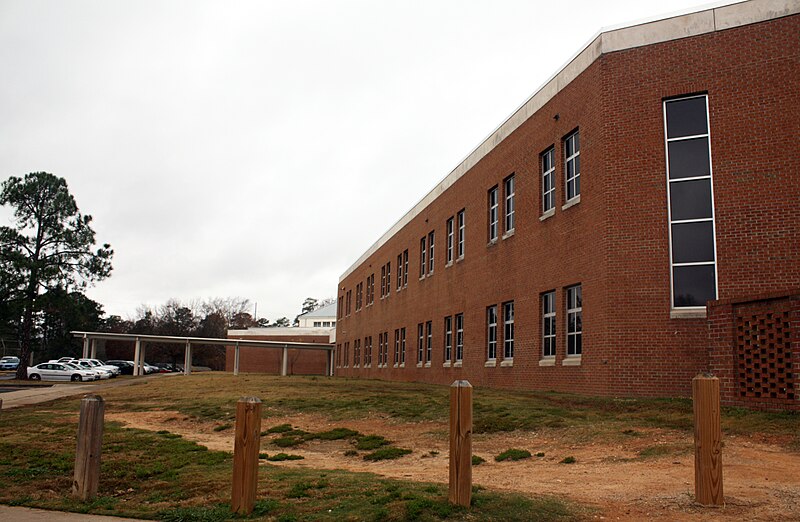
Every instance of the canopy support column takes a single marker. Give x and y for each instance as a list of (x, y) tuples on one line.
[(85, 353), (136, 352), (285, 361), (236, 359), (187, 362)]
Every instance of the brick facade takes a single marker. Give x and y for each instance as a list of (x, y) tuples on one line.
[(268, 360), (615, 241)]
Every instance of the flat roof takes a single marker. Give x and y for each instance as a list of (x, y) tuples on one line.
[(704, 19)]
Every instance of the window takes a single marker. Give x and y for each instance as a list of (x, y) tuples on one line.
[(388, 290), (459, 337), (368, 351), (339, 305), (396, 347), (383, 281), (508, 185), (402, 346), (450, 237), (405, 267), (493, 214), (399, 272), (420, 347), (429, 343), (371, 289), (491, 333), (448, 339), (357, 352), (347, 354), (548, 180), (691, 208), (349, 296), (359, 295), (574, 320), (572, 174), (508, 330), (549, 324), (339, 355), (423, 252), (430, 252), (460, 249), (317, 324), (380, 350)]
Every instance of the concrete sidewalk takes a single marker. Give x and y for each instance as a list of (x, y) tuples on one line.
[(23, 514), (37, 394)]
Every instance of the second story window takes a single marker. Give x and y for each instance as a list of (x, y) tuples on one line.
[(388, 290), (572, 162), (450, 237), (399, 272), (383, 281), (431, 237), (405, 267), (509, 190), (423, 256), (493, 204), (461, 231), (548, 180)]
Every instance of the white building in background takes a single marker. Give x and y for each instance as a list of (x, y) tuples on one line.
[(324, 317)]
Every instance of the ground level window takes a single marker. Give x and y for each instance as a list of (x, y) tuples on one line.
[(429, 341), (491, 332), (459, 337), (549, 324), (574, 320), (420, 340), (396, 347), (448, 338), (508, 330)]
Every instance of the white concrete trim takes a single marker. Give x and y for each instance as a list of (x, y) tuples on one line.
[(715, 17), (571, 360), (547, 361)]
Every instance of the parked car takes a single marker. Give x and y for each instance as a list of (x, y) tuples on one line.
[(102, 373), (125, 367), (55, 371), (9, 362), (94, 375), (94, 364)]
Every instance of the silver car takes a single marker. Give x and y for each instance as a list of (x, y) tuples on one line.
[(54, 371)]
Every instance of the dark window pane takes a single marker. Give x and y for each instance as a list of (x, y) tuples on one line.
[(693, 285), (692, 242), (688, 158), (690, 199), (687, 117)]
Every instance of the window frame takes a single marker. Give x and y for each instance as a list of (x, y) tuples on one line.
[(548, 316), (461, 217), (577, 312), (420, 339), (431, 241), (448, 339), (508, 330), (459, 355), (573, 159), (429, 342), (423, 252), (493, 217), (450, 232), (491, 333), (509, 207), (548, 199)]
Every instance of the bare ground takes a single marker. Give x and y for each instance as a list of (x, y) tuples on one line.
[(761, 479)]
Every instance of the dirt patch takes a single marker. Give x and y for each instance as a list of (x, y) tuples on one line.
[(761, 480)]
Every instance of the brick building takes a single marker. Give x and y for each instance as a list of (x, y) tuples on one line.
[(635, 222), (268, 360)]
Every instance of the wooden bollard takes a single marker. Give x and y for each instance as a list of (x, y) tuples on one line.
[(707, 441), (247, 442), (90, 443), (460, 443)]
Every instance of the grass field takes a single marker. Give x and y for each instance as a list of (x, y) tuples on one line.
[(161, 475)]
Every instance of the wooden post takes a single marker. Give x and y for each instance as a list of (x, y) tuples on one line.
[(460, 443), (707, 441), (90, 442), (247, 442)]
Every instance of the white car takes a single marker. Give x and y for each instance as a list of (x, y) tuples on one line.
[(100, 364), (94, 375), (104, 371), (55, 371)]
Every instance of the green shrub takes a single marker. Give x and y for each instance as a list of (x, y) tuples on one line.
[(334, 434), (283, 456), (386, 453), (513, 454), (477, 460), (280, 428), (223, 427), (370, 442), (568, 460)]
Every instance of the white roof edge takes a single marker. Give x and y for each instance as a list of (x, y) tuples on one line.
[(703, 19)]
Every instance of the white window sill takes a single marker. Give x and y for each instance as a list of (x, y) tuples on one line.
[(491, 243), (367, 366), (457, 364), (572, 202), (419, 365), (547, 361), (428, 364), (547, 215), (449, 264), (508, 234), (687, 313), (402, 365), (422, 278), (507, 363), (446, 364), (490, 363), (571, 360), (459, 259), (395, 365)]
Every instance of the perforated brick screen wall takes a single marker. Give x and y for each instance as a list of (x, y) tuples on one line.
[(764, 356)]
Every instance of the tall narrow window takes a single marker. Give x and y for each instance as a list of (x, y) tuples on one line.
[(572, 161), (508, 330), (509, 190), (420, 344), (402, 346), (548, 180), (388, 289), (423, 253), (356, 353), (347, 354), (491, 333), (450, 238), (380, 349), (396, 347), (428, 341), (493, 214), (383, 281), (431, 237), (399, 272), (691, 197), (405, 267), (368, 352), (549, 324), (339, 355), (461, 230), (459, 337), (448, 338), (574, 320)]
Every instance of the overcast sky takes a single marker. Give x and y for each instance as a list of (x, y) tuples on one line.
[(256, 149)]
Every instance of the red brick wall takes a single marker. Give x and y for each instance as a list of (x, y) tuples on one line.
[(748, 350), (268, 360), (615, 241)]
